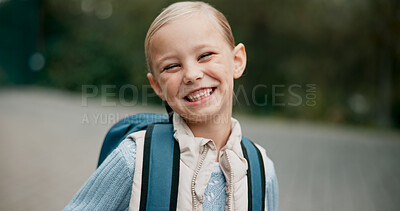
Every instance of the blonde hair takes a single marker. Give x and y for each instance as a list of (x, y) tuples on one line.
[(180, 9)]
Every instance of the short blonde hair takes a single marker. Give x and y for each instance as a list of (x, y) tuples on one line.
[(180, 9)]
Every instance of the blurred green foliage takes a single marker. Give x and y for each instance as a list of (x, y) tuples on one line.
[(349, 51)]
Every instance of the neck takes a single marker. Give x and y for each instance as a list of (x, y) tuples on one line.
[(217, 130)]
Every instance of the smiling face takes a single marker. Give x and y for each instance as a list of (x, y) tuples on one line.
[(193, 67)]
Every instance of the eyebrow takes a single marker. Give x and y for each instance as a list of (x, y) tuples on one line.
[(202, 46), (162, 59)]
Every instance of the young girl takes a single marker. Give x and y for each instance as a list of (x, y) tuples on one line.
[(192, 61)]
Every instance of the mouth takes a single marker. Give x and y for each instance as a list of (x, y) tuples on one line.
[(199, 94)]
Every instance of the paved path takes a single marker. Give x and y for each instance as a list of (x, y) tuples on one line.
[(49, 144)]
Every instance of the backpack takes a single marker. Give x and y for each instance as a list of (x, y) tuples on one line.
[(160, 178)]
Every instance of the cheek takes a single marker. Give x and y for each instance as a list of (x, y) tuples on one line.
[(170, 85), (221, 71)]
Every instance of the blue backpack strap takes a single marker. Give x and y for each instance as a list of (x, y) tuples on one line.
[(160, 174), (126, 126), (255, 175)]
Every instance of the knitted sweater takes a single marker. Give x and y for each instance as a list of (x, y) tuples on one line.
[(110, 186)]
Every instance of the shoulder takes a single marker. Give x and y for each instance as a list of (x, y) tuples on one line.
[(272, 190), (268, 163), (127, 151), (138, 137), (122, 158), (124, 155)]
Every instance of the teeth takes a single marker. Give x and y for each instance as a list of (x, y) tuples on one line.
[(198, 95)]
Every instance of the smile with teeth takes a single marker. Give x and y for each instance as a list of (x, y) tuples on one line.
[(199, 94)]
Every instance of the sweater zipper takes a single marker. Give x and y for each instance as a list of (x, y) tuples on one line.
[(230, 188), (196, 172)]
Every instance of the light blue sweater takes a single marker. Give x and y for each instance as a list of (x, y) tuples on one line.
[(110, 186)]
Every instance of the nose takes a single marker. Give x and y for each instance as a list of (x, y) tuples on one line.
[(191, 73)]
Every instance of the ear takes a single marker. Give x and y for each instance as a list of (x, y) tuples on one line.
[(155, 85), (240, 60)]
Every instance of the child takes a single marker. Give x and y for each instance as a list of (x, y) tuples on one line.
[(192, 61)]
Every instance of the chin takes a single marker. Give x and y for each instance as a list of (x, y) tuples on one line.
[(209, 111)]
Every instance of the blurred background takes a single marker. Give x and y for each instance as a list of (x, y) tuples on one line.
[(320, 93)]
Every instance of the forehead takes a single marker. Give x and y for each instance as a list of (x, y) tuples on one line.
[(190, 30)]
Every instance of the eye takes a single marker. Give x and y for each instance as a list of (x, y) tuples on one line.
[(204, 55), (170, 67)]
